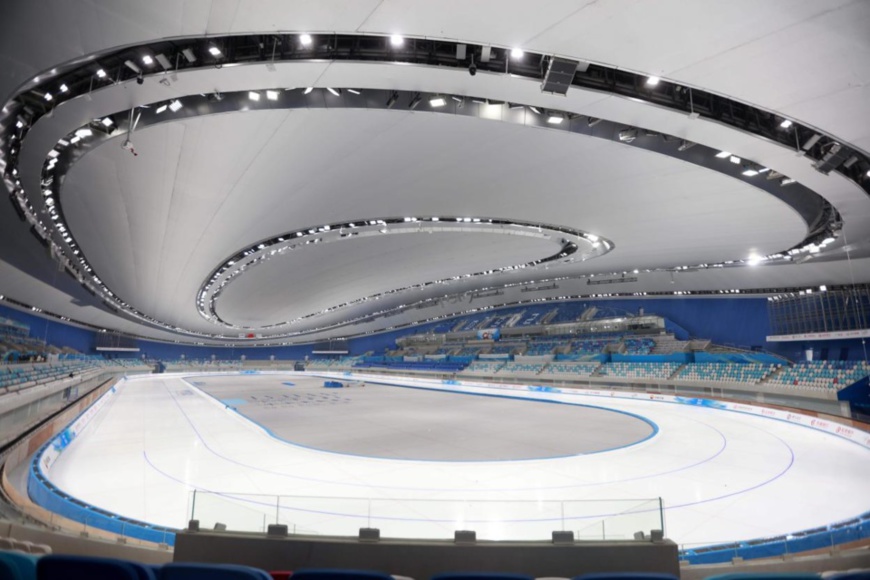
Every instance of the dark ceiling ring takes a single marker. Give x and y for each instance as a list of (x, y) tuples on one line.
[(822, 219), (574, 245)]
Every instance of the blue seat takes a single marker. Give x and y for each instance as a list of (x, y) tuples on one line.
[(338, 574), (63, 567), (17, 566), (628, 576), (480, 576), (769, 576), (189, 571)]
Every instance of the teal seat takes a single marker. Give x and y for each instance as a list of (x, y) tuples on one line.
[(17, 566)]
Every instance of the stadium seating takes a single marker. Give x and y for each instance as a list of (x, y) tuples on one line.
[(483, 368), (569, 370), (521, 369), (643, 345), (639, 370), (725, 372), (822, 375)]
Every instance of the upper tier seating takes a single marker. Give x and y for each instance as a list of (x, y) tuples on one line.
[(639, 370), (822, 375), (643, 345), (725, 372)]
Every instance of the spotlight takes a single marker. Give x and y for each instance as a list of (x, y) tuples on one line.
[(215, 51), (750, 172), (101, 73), (652, 81), (555, 119), (628, 135), (147, 60), (175, 105), (785, 124), (535, 110), (437, 102), (82, 133), (307, 90), (354, 91), (723, 154), (161, 108), (392, 100), (254, 95), (305, 39), (47, 96), (734, 159), (64, 89), (107, 122), (397, 40), (336, 92), (517, 53), (272, 95)]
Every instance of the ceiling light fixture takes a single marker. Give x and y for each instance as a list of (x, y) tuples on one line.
[(272, 95), (750, 173), (161, 108), (628, 135), (785, 124), (437, 102), (517, 53), (175, 105), (254, 95), (723, 154), (147, 60), (354, 91), (214, 51), (307, 90), (64, 88), (652, 81), (132, 66), (305, 39), (735, 159), (396, 40), (188, 55), (101, 73), (336, 92), (555, 119)]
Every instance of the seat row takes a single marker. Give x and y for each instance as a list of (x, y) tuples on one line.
[(19, 566)]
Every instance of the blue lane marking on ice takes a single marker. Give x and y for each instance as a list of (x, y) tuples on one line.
[(234, 402), (289, 384)]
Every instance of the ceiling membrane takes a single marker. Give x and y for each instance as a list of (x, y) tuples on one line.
[(839, 71)]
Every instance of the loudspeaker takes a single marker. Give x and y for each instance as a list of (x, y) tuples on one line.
[(276, 530), (656, 535), (193, 526), (369, 534), (219, 527), (461, 536), (563, 537)]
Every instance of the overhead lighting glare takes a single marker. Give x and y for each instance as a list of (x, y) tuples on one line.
[(254, 95), (214, 51), (307, 90), (272, 95), (437, 102), (517, 53), (305, 39), (785, 124), (723, 154), (652, 81), (334, 91), (396, 40), (147, 60), (175, 105), (555, 119)]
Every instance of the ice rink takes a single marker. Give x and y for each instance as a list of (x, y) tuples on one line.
[(423, 463)]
